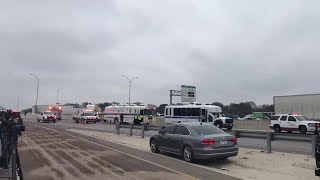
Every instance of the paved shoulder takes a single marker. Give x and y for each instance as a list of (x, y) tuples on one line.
[(129, 161)]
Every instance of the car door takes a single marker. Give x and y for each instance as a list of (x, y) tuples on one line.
[(284, 124), (166, 138), (180, 135), (293, 123)]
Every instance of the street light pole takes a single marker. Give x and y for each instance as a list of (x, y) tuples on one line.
[(57, 99), (36, 109), (130, 82)]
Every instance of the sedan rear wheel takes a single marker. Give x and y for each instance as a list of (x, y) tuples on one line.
[(188, 154), (154, 146)]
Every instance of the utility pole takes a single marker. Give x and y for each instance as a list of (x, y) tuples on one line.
[(18, 104), (36, 108), (57, 98), (130, 81)]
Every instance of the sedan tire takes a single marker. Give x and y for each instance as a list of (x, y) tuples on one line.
[(154, 146), (188, 154)]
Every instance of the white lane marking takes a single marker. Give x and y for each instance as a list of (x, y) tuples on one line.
[(191, 177)]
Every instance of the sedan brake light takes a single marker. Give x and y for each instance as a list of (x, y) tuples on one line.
[(208, 141), (234, 140)]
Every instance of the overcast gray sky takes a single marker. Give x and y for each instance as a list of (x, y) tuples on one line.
[(231, 50)]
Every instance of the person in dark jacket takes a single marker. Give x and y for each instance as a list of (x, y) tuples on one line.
[(317, 156), (121, 118)]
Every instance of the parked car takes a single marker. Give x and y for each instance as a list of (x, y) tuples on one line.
[(247, 117), (234, 117), (195, 141), (47, 116), (290, 122)]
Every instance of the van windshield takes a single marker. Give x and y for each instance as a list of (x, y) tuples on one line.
[(88, 114)]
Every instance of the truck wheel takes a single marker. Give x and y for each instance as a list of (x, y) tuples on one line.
[(303, 129), (54, 121), (218, 124), (229, 128), (277, 128), (104, 120)]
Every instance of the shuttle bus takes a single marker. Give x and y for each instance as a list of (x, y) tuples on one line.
[(197, 113)]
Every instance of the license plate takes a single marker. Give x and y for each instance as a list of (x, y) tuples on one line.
[(223, 142)]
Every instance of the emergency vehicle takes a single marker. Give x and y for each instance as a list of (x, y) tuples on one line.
[(132, 114), (85, 114), (57, 111)]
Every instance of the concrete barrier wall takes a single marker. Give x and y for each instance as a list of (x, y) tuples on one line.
[(244, 124), (252, 124)]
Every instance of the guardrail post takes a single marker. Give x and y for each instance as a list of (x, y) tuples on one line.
[(236, 134), (118, 128), (314, 141), (131, 127), (269, 137), (142, 133), (272, 136)]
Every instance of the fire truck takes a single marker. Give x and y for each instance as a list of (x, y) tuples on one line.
[(57, 110)]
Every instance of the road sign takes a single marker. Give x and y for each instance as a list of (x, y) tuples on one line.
[(188, 93)]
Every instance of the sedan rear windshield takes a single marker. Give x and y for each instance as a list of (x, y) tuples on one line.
[(203, 130), (48, 113)]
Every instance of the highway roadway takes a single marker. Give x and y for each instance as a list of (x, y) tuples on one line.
[(49, 152), (298, 147)]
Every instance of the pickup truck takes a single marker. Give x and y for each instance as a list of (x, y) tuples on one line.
[(47, 117)]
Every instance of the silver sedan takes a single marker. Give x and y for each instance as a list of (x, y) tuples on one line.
[(195, 141)]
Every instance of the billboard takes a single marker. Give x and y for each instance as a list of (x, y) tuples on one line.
[(188, 93)]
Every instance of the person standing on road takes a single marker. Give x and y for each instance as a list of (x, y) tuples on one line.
[(25, 114), (317, 156), (121, 118)]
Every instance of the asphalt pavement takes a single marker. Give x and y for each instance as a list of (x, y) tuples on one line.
[(287, 146), (50, 152)]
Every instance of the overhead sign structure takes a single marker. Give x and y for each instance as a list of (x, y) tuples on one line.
[(188, 93)]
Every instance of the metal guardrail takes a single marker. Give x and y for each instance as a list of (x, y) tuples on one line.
[(268, 135)]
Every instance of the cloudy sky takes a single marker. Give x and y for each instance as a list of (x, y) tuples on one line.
[(231, 50)]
